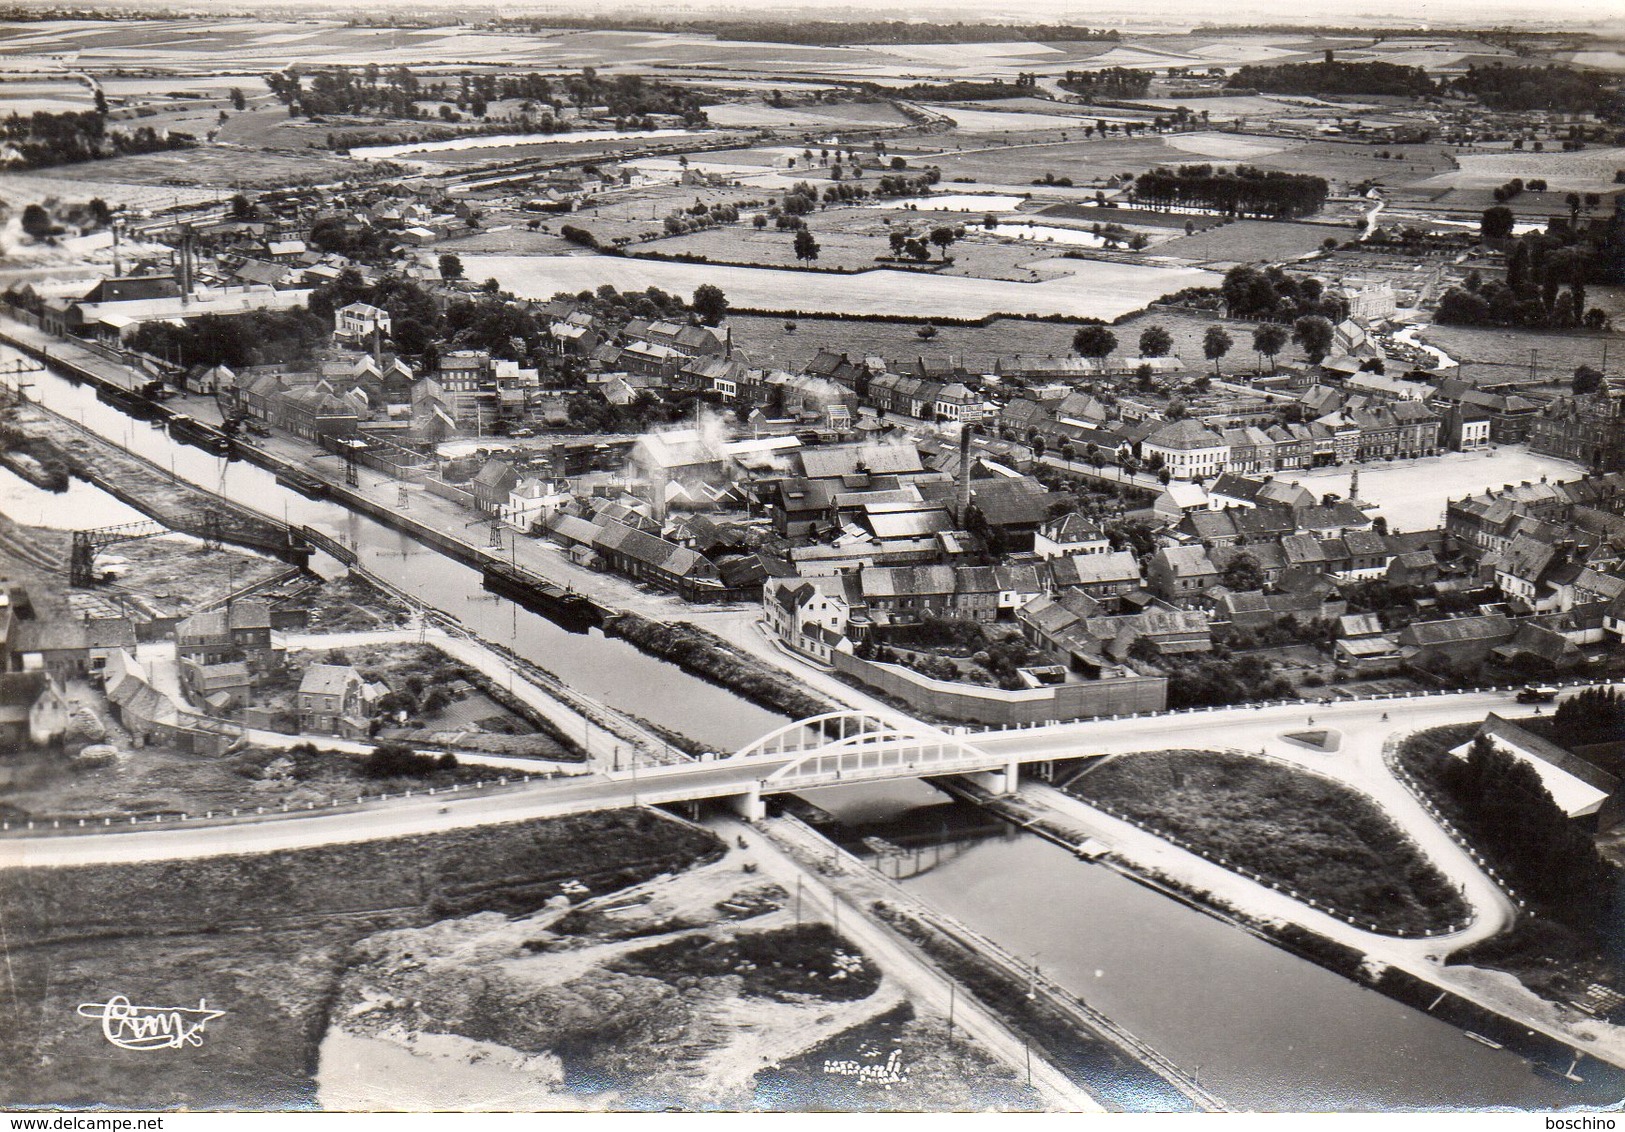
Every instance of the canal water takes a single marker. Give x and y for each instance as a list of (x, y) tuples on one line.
[(1260, 1027), (606, 669), (82, 505)]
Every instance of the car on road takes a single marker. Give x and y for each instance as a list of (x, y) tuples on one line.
[(1536, 694)]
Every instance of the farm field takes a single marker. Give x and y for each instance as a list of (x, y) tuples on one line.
[(1492, 354), (834, 116), (1591, 170), (1078, 159), (1226, 147), (1002, 343), (518, 144), (764, 340), (976, 121), (1347, 163), (18, 190), (216, 167), (1241, 105), (855, 238), (1089, 289), (1247, 241)]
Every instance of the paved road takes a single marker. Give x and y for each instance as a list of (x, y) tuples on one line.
[(1242, 728)]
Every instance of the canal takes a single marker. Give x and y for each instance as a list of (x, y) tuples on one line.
[(609, 670), (1260, 1027)]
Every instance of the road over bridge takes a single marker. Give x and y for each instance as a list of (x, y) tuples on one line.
[(847, 747)]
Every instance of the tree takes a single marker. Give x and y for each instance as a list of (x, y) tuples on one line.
[(1094, 342), (36, 221), (759, 221), (1586, 381), (1496, 223), (710, 304), (1269, 340), (926, 332), (806, 246), (1314, 334), (942, 237), (451, 266), (1155, 342), (241, 208), (1215, 345), (990, 222), (1243, 574), (238, 102)]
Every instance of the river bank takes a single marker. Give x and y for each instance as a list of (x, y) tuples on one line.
[(1530, 1034), (1084, 1046), (704, 654)]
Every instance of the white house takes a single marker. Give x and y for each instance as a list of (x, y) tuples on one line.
[(530, 500), (1188, 448), (1067, 535), (808, 615), (358, 322)]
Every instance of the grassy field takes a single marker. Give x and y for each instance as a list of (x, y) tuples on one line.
[(1351, 162), (1080, 160), (1089, 289), (1494, 354), (223, 169), (1590, 170), (1249, 241), (753, 115), (1311, 834), (1004, 341), (266, 939), (765, 341), (853, 238)]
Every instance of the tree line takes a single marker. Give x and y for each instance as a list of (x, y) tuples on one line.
[(837, 33), (1333, 77), (1499, 87), (1545, 284), (1277, 295), (1112, 82), (1551, 87), (396, 93), (1507, 810), (1245, 191), (42, 139)]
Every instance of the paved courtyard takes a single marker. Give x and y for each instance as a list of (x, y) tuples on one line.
[(1411, 494)]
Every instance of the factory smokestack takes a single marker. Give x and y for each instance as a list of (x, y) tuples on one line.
[(186, 263), (968, 416)]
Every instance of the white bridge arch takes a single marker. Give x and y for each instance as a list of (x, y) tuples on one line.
[(850, 746)]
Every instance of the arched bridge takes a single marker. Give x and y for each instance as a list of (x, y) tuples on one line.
[(826, 750)]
